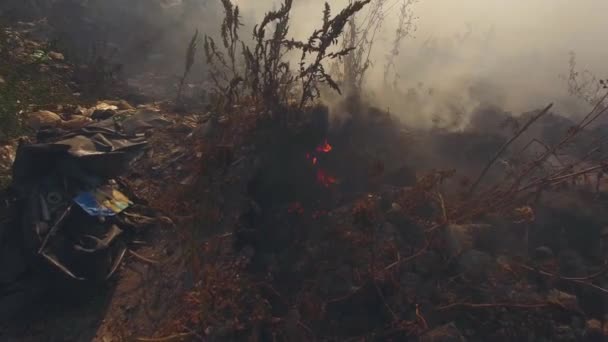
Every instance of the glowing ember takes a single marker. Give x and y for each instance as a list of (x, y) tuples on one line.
[(295, 208), (325, 147), (324, 179), (312, 158), (317, 214)]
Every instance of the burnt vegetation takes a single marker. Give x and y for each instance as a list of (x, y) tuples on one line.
[(269, 216), (263, 72)]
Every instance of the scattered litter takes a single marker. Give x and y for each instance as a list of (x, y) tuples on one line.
[(73, 211), (104, 201)]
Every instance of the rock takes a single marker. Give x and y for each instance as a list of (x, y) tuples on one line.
[(475, 264), (543, 253), (76, 122), (2, 81), (445, 333), (43, 118), (56, 56)]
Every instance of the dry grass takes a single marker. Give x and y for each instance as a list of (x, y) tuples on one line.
[(264, 74)]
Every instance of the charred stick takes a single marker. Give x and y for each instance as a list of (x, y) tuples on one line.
[(143, 258), (506, 145), (586, 121), (493, 305), (60, 266), (117, 263), (55, 228)]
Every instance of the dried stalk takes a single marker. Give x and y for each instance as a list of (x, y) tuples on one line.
[(505, 146), (190, 54)]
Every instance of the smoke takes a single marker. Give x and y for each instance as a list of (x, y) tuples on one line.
[(471, 53), (464, 54)]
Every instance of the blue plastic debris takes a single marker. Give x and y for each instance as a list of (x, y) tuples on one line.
[(103, 202)]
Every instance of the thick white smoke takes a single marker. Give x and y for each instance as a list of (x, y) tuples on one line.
[(473, 52)]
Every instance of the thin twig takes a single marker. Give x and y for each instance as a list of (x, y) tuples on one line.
[(561, 178), (143, 258), (580, 281), (493, 305), (575, 279), (55, 228), (506, 145), (421, 318), (392, 312)]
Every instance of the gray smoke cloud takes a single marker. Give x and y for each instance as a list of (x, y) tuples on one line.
[(476, 52), (464, 54)]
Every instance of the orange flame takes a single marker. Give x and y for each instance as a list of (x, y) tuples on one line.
[(312, 158), (325, 147)]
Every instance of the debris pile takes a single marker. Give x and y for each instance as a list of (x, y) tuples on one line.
[(70, 211)]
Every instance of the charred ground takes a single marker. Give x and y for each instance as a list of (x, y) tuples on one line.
[(261, 214)]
